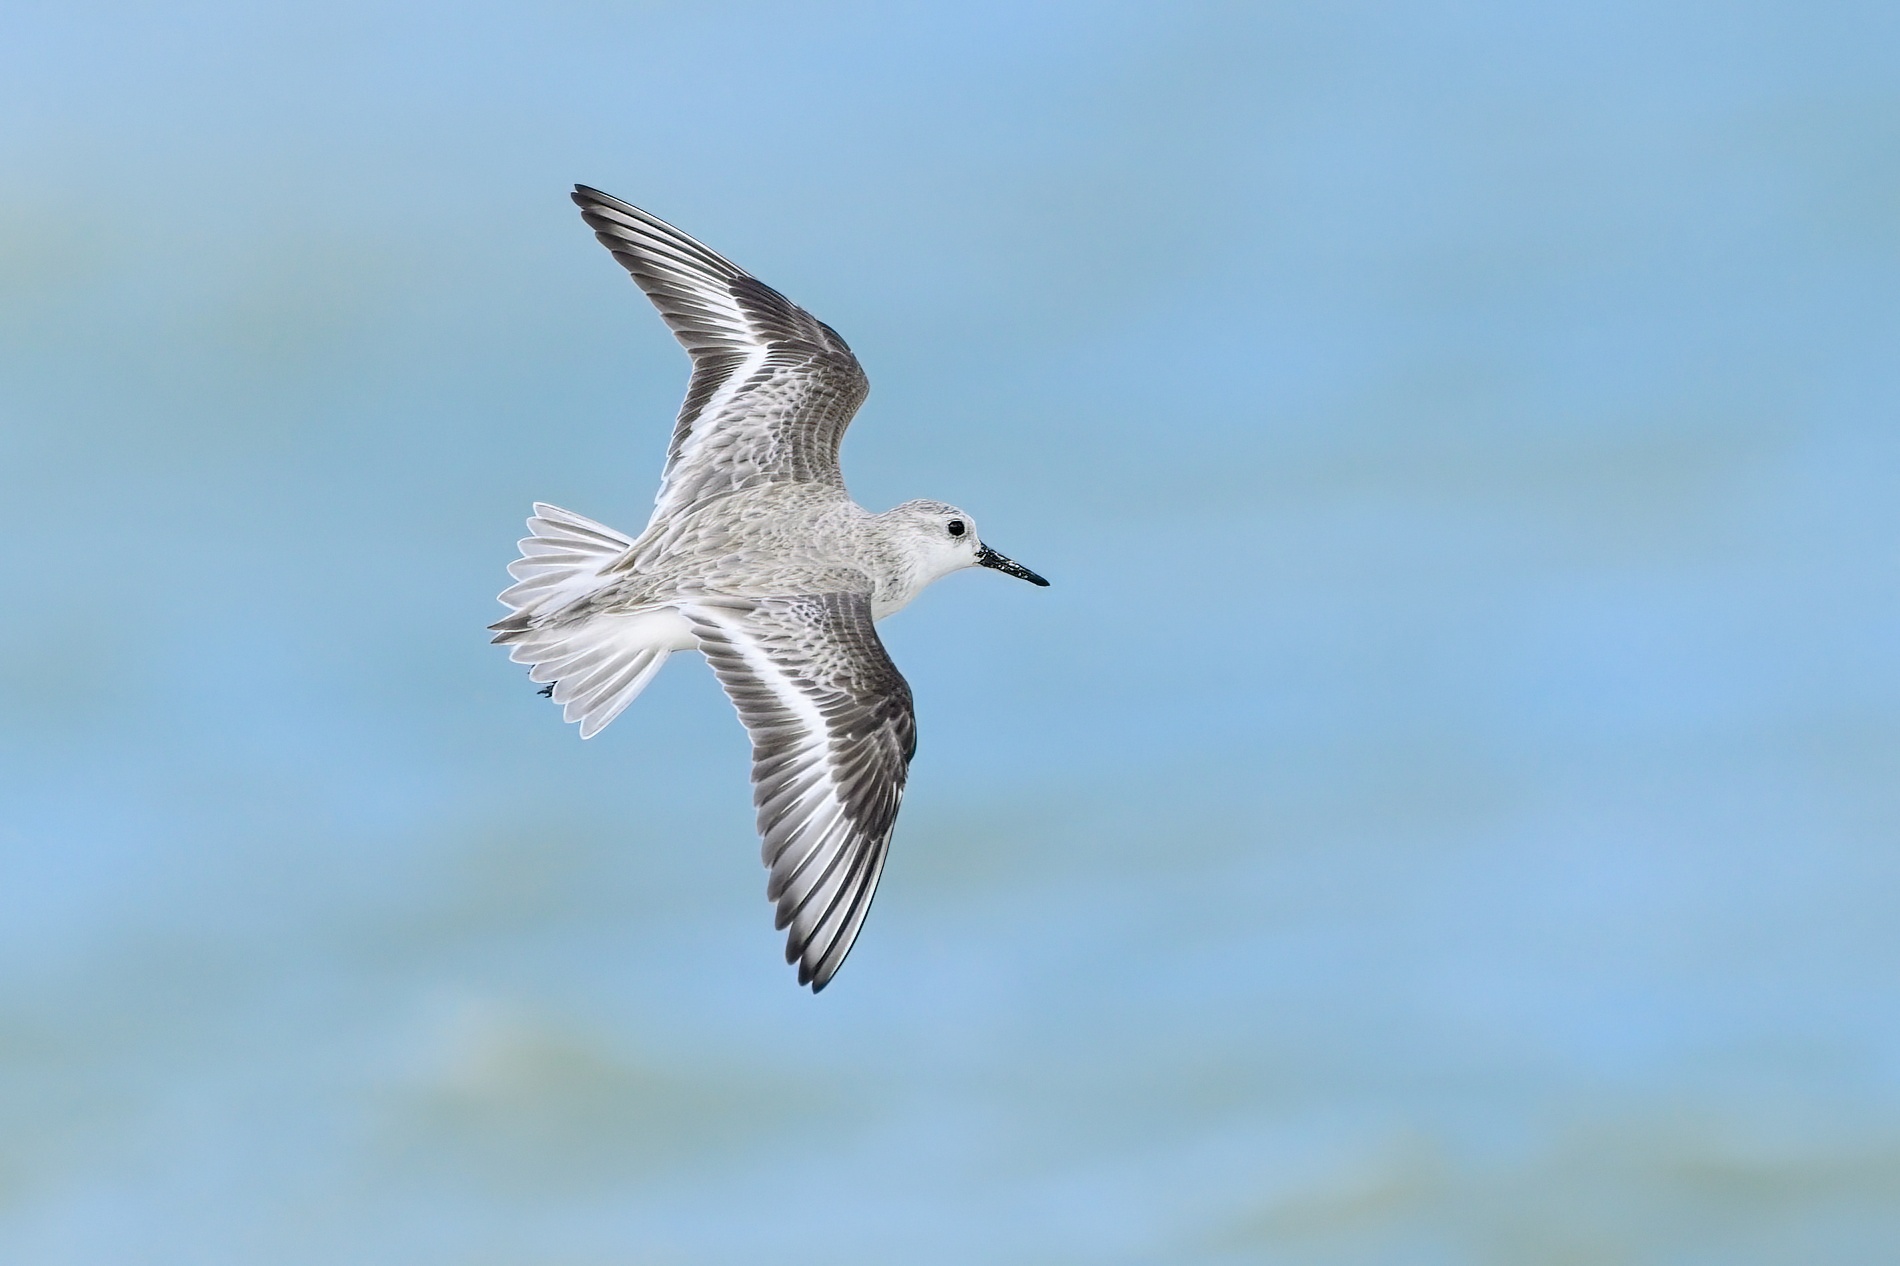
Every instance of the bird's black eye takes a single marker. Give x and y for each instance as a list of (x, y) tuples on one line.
[(956, 527)]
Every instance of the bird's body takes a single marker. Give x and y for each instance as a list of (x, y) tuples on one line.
[(756, 556)]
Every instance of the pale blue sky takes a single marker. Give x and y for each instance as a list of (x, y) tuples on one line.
[(1443, 811)]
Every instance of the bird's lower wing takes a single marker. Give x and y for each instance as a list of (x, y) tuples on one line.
[(832, 733)]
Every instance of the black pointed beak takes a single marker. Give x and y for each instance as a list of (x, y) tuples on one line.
[(987, 557)]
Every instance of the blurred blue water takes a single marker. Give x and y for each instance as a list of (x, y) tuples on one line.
[(1444, 811)]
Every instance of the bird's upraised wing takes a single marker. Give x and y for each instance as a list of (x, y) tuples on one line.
[(773, 387), (832, 737)]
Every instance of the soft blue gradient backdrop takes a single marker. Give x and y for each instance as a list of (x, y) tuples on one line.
[(1444, 812)]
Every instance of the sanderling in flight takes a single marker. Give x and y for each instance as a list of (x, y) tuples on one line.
[(756, 557)]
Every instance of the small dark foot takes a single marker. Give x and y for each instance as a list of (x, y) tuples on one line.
[(547, 691)]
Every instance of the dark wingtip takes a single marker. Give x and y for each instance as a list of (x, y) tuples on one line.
[(585, 196)]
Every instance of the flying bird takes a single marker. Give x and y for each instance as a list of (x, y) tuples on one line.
[(757, 558)]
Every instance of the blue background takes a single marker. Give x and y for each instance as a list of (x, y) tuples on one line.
[(1444, 812)]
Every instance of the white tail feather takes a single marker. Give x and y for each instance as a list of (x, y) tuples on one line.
[(598, 666), (599, 663), (562, 560)]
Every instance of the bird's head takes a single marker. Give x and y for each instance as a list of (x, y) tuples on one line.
[(941, 539)]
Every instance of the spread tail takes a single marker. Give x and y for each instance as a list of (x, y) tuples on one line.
[(561, 561), (598, 662)]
